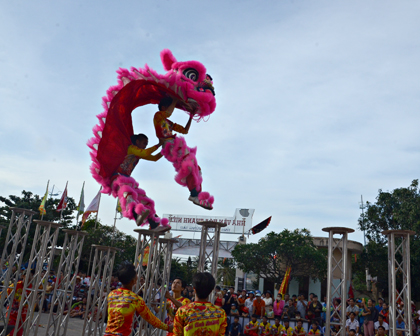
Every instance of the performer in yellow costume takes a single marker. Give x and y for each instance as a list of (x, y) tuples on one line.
[(123, 304), (175, 301), (201, 317), (277, 329)]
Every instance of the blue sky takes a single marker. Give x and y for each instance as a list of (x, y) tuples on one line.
[(317, 100)]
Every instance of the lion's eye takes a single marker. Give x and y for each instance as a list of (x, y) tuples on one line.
[(191, 74)]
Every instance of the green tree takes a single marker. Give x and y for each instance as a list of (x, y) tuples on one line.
[(393, 210), (30, 201), (106, 236), (226, 271), (270, 257), (178, 269)]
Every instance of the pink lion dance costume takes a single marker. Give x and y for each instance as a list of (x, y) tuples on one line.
[(185, 81)]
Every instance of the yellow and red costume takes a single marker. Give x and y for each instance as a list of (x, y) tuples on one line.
[(122, 305), (132, 198), (298, 331), (200, 319), (182, 157), (134, 154), (278, 329), (164, 127), (251, 325), (288, 331), (265, 329), (13, 310), (316, 332), (172, 309)]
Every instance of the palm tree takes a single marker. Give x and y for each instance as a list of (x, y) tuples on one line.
[(226, 271)]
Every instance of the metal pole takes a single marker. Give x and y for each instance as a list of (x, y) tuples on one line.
[(399, 267), (63, 294), (329, 283), (147, 239), (45, 237), (339, 266), (211, 242), (17, 235), (102, 267)]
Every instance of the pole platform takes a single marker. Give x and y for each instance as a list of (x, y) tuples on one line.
[(399, 268), (337, 264), (212, 243), (16, 236), (96, 307), (151, 278), (62, 295)]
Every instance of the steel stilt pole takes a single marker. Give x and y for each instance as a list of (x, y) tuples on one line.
[(399, 267), (210, 242), (337, 269), (96, 308), (42, 252), (62, 295), (147, 276), (13, 252)]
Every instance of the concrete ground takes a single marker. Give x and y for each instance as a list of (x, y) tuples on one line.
[(74, 327)]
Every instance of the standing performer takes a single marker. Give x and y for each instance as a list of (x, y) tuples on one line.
[(13, 310), (175, 301), (182, 157), (123, 304), (201, 317)]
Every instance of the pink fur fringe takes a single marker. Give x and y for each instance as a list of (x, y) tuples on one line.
[(185, 163), (124, 186)]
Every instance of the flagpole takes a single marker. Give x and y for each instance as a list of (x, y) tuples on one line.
[(96, 224), (115, 222), (99, 204), (78, 208), (62, 208), (48, 183)]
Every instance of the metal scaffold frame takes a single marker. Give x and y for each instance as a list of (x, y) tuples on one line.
[(62, 295), (399, 266), (43, 249), (17, 235), (103, 264), (211, 242), (340, 265), (149, 244)]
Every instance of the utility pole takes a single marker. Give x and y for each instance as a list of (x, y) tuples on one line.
[(362, 206)]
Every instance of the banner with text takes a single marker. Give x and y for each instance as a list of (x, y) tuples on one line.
[(240, 222)]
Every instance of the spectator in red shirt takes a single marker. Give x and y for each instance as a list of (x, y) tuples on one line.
[(258, 306)]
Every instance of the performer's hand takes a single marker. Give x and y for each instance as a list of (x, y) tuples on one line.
[(168, 295), (171, 329)]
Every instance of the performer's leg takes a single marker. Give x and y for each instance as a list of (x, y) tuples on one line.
[(134, 202), (188, 174)]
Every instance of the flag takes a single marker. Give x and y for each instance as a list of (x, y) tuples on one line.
[(285, 282), (351, 293), (81, 205), (119, 210), (63, 201), (261, 226), (41, 208), (145, 260), (93, 207)]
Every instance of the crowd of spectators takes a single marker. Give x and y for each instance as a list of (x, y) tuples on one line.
[(255, 313)]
